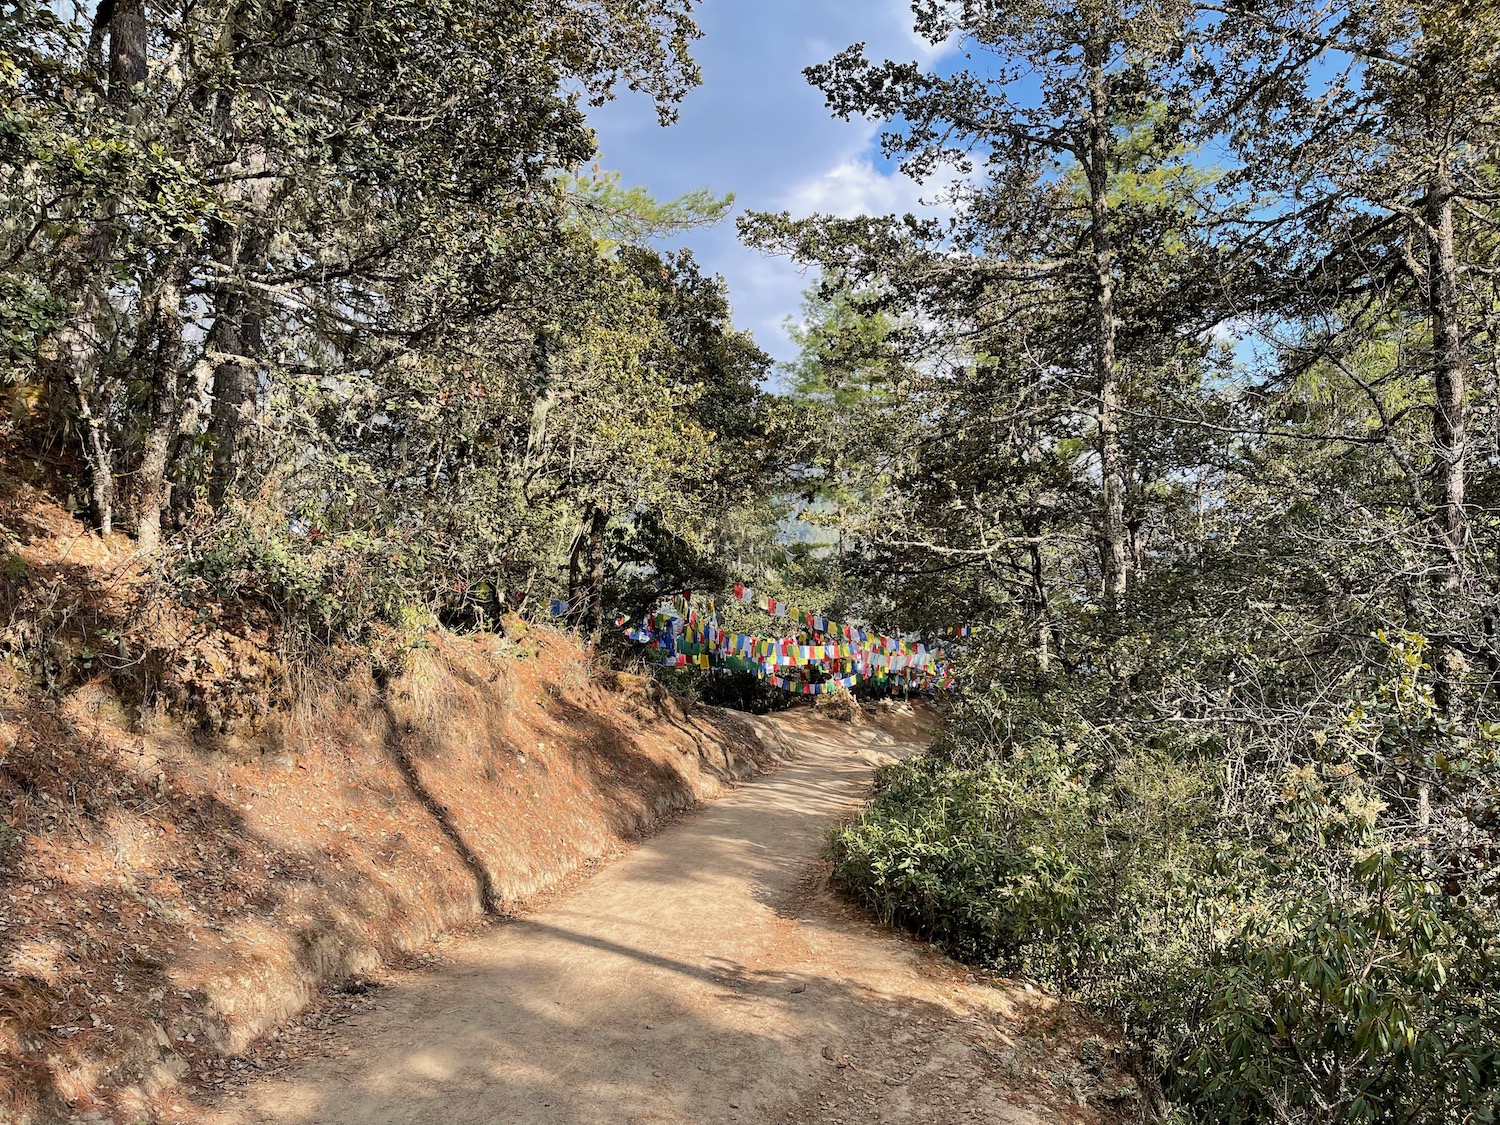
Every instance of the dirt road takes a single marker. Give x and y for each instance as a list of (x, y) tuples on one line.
[(707, 976)]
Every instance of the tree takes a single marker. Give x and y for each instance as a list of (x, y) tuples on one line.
[(652, 414), (1213, 803), (1065, 306), (245, 196), (1366, 128)]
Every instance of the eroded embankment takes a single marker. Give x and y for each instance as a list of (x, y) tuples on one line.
[(167, 900)]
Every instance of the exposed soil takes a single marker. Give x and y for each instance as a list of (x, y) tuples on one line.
[(708, 976), (185, 868)]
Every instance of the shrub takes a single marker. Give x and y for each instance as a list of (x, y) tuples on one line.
[(1289, 942), (1027, 863), (333, 586), (1364, 1002), (839, 705)]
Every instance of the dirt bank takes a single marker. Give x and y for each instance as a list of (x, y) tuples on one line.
[(168, 897)]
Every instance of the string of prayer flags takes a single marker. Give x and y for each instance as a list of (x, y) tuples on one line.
[(822, 625), (687, 638)]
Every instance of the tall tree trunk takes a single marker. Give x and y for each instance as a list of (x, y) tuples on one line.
[(1113, 546), (1450, 423), (1039, 608), (238, 324), (237, 339), (127, 46), (598, 524), (1450, 439), (154, 491), (576, 590), (77, 365), (1449, 383), (123, 23), (127, 70)]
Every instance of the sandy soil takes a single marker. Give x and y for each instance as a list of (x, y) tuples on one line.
[(707, 976)]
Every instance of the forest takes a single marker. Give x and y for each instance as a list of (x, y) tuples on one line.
[(1186, 407)]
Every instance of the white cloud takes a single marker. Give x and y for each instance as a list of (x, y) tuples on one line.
[(1231, 331), (757, 128), (767, 291), (854, 186)]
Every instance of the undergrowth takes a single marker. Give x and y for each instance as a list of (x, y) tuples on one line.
[(1282, 953)]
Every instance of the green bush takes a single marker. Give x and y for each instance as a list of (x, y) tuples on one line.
[(1283, 939), (332, 586), (1361, 999), (1035, 863)]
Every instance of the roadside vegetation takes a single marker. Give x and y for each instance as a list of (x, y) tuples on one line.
[(1191, 408)]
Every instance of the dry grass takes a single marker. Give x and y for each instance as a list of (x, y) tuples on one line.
[(170, 902), (841, 706)]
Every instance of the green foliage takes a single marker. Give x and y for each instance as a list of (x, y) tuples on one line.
[(1197, 447), (1365, 998), (1280, 952), (631, 216), (29, 315), (336, 586), (1208, 453), (334, 265), (985, 861), (1041, 862)]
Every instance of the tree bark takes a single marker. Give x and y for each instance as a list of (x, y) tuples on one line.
[(1449, 426), (1450, 423), (78, 354), (127, 70), (126, 20), (123, 23), (1038, 597), (598, 524), (237, 337), (575, 573), (238, 323), (154, 491), (1450, 439), (1449, 383), (1113, 546)]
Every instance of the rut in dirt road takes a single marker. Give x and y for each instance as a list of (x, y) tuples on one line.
[(704, 977)]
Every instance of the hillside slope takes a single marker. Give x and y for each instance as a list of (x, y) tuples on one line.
[(174, 885)]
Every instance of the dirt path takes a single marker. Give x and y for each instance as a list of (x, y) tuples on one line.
[(705, 977)]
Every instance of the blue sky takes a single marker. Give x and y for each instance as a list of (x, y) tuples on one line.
[(756, 128)]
